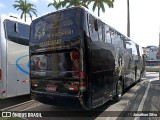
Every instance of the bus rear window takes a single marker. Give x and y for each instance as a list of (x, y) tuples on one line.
[(55, 64)]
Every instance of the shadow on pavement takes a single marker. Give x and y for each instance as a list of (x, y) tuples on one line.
[(79, 113), (13, 101)]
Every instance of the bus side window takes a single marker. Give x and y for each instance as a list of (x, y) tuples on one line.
[(101, 31), (138, 51), (141, 51), (113, 35), (128, 46), (123, 39), (131, 47), (116, 39), (107, 34), (134, 49), (93, 33)]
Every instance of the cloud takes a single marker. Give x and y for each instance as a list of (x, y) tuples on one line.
[(2, 5), (13, 14), (35, 1), (49, 0)]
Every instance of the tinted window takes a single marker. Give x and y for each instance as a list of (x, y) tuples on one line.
[(107, 34), (55, 64), (93, 33), (100, 31), (131, 47), (17, 32), (140, 51), (116, 38)]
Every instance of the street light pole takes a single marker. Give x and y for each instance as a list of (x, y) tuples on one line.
[(128, 19), (158, 52)]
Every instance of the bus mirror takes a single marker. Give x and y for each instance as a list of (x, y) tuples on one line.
[(128, 43), (95, 25)]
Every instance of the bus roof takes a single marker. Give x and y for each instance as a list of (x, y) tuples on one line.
[(3, 17)]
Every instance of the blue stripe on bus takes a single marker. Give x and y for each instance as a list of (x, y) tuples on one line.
[(28, 64), (19, 67)]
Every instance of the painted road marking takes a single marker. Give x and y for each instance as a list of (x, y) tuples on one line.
[(38, 104), (17, 105), (143, 101)]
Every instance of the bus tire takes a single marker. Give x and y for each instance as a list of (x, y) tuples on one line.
[(119, 91)]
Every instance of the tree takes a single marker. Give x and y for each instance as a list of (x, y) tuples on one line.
[(26, 8), (100, 4), (70, 3), (55, 4)]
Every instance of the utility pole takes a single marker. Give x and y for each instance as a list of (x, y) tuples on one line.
[(128, 19), (158, 52)]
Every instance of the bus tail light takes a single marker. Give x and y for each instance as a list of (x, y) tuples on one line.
[(0, 74), (73, 88), (83, 81), (33, 84)]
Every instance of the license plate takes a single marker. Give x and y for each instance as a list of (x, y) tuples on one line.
[(51, 88)]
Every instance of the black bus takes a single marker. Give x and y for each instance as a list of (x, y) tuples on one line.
[(78, 60)]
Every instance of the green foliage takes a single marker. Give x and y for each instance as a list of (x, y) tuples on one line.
[(26, 8), (68, 3), (100, 4), (54, 4)]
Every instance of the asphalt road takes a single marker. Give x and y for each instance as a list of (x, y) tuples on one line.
[(142, 97), (13, 101)]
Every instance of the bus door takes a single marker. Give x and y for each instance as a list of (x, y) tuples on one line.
[(17, 36)]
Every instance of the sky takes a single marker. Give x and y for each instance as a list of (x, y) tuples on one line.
[(144, 17)]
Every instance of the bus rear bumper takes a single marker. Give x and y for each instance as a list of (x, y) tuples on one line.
[(60, 100)]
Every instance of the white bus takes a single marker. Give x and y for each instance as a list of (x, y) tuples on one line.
[(14, 60)]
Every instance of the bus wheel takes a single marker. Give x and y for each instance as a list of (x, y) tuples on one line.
[(119, 91)]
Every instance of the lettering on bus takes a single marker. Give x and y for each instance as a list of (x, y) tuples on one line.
[(55, 44), (42, 29), (66, 23), (51, 42), (58, 34), (68, 32)]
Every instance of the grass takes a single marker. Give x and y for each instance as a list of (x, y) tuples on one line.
[(152, 68)]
